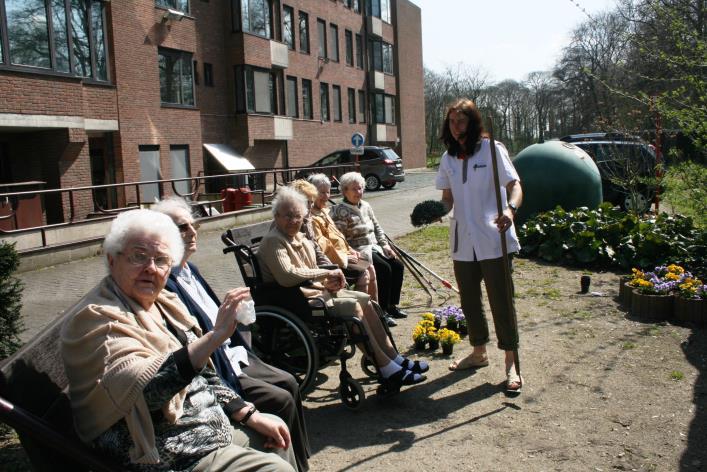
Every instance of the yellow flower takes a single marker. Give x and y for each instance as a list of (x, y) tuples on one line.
[(672, 276), (419, 333), (428, 317), (448, 336), (644, 283), (675, 269)]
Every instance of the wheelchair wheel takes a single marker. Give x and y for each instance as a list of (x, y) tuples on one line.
[(368, 367), (352, 394), (349, 351), (282, 340)]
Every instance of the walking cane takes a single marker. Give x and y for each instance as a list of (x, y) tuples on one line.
[(444, 282), (504, 248)]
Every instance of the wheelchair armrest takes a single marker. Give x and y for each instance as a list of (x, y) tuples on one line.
[(229, 249)]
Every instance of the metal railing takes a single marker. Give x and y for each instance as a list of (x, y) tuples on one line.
[(262, 184)]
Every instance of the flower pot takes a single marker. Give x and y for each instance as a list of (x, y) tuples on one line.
[(651, 307), (692, 310), (434, 344), (463, 331), (625, 292), (452, 324), (447, 349), (437, 323), (420, 345)]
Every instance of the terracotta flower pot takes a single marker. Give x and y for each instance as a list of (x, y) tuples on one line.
[(691, 310), (651, 307), (447, 349)]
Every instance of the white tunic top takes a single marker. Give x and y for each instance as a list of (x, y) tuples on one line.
[(472, 228)]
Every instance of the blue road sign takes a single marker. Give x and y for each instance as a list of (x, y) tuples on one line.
[(357, 140)]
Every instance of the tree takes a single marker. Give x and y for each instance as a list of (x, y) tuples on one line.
[(10, 301)]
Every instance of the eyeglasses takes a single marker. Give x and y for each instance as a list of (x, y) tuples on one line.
[(291, 216), (184, 227), (140, 259)]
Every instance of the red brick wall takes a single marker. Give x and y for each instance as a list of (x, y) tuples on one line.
[(408, 63)]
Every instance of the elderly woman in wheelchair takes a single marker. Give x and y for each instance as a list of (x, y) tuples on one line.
[(286, 258)]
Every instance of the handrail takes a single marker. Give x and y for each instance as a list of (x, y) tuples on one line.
[(271, 179)]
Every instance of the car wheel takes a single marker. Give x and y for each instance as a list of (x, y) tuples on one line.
[(389, 185), (636, 203), (372, 182)]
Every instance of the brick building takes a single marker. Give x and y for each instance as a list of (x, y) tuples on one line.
[(98, 91)]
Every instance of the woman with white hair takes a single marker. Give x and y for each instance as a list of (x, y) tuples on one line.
[(142, 389), (355, 219), (287, 259)]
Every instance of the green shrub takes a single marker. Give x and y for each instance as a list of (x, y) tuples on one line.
[(686, 190), (10, 301), (607, 237)]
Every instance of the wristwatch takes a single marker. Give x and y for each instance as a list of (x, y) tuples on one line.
[(513, 208)]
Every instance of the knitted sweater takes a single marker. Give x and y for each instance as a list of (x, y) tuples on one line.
[(329, 238), (360, 226)]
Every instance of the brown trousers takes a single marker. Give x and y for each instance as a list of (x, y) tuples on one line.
[(469, 275)]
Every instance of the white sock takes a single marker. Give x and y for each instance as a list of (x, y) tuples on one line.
[(399, 360), (389, 369)]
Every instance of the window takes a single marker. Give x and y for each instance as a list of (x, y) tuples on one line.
[(288, 26), (292, 109), (334, 30), (382, 56), (180, 5), (347, 3), (352, 105), (208, 75), (336, 102), (307, 99), (356, 6), (26, 40), (255, 17), (324, 101), (303, 32), (361, 106), (348, 36), (149, 170), (359, 51), (380, 9), (179, 155), (176, 77), (384, 109), (321, 36), (255, 90)]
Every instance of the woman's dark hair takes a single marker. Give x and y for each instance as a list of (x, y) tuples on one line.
[(474, 131)]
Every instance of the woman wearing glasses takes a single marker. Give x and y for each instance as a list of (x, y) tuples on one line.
[(143, 391)]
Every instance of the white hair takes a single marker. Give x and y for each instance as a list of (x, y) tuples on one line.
[(134, 222), (171, 204), (350, 178), (320, 181), (288, 195)]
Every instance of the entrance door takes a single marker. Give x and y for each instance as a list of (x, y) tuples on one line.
[(103, 171), (179, 156), (149, 170)]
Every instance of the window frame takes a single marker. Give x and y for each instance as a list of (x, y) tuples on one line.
[(348, 47), (351, 101), (362, 106), (334, 49), (159, 3), (336, 111), (270, 27), (307, 101), (288, 80), (285, 10), (304, 47), (359, 51), (380, 50), (185, 57), (322, 50), (208, 74), (384, 98), (246, 73), (324, 106)]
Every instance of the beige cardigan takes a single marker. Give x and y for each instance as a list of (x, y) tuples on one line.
[(111, 349)]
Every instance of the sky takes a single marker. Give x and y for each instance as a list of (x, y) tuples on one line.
[(505, 38)]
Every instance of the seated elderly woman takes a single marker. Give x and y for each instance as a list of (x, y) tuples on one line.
[(287, 258), (270, 389), (143, 391), (355, 219)]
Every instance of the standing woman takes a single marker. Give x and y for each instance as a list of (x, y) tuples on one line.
[(465, 177)]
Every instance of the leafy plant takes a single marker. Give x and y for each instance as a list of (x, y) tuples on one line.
[(608, 237), (10, 301)]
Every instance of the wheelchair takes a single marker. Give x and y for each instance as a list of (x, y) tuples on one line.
[(299, 335)]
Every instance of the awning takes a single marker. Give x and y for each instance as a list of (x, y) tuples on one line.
[(228, 157)]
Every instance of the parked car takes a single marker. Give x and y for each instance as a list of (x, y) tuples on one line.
[(379, 166), (627, 166)]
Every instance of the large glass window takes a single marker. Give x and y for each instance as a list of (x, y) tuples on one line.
[(321, 37), (351, 96), (336, 102), (380, 9), (307, 99), (348, 37), (303, 32), (288, 26), (255, 17), (324, 101), (361, 106), (382, 56), (61, 38), (99, 43), (255, 90), (384, 108), (181, 5), (176, 77), (79, 39), (334, 31), (292, 109), (28, 36), (359, 51)]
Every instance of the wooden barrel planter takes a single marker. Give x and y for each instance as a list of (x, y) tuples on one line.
[(651, 307), (694, 311)]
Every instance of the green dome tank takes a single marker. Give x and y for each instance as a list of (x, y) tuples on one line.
[(556, 173)]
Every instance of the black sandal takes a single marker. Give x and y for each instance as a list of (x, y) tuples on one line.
[(415, 367)]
